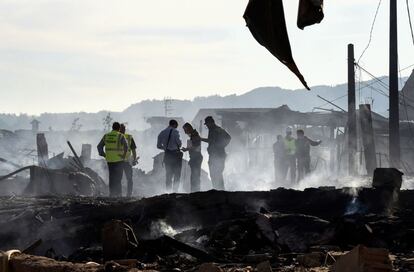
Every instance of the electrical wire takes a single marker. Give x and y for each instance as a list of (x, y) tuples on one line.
[(358, 77), (371, 31), (381, 83), (405, 68), (384, 85), (374, 77), (342, 96), (369, 84), (376, 90), (409, 20)]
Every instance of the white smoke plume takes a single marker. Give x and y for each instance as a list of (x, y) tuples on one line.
[(160, 228)]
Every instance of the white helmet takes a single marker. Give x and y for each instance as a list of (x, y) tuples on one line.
[(289, 130)]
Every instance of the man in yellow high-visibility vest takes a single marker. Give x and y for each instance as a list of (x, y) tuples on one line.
[(130, 159), (116, 148)]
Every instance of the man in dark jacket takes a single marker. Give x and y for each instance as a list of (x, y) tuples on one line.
[(131, 159), (194, 149), (290, 156), (303, 145), (279, 152), (217, 141)]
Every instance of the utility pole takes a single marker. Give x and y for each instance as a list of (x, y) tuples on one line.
[(352, 139), (394, 118), (167, 106)]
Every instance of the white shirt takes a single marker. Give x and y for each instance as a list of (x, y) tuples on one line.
[(173, 144)]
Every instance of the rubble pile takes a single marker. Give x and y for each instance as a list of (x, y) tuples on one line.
[(281, 229), (46, 181)]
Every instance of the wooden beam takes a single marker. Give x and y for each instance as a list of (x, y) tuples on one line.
[(42, 150)]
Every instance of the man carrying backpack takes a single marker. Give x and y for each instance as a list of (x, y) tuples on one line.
[(217, 141)]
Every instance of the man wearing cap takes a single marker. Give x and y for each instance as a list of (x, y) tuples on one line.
[(217, 141), (290, 147)]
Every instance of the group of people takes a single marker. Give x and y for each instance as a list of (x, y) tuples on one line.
[(119, 150), (169, 141), (292, 156)]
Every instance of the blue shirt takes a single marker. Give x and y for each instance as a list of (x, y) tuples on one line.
[(173, 144)]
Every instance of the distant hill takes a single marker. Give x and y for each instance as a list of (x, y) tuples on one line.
[(135, 114)]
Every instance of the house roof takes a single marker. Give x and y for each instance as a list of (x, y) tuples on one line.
[(407, 99), (284, 116)]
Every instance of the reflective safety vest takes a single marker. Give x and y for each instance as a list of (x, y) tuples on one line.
[(113, 147), (290, 145), (128, 138)]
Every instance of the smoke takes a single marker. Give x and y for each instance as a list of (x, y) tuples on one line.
[(408, 183), (240, 177), (326, 178), (354, 206), (249, 165), (160, 228)]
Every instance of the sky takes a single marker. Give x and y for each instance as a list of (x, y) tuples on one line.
[(84, 55)]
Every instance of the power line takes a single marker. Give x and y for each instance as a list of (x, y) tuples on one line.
[(342, 96), (379, 91), (405, 68), (384, 85), (371, 31), (359, 85), (409, 20), (329, 102), (361, 88), (370, 84), (374, 77), (375, 89)]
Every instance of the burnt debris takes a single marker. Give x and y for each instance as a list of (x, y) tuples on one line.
[(282, 227)]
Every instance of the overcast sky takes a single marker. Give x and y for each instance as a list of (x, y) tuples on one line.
[(84, 55)]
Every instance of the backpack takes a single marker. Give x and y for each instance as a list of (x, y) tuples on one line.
[(225, 136)]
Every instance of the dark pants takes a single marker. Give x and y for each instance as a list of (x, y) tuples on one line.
[(279, 165), (216, 165), (128, 175), (303, 166), (173, 165), (115, 178), (195, 166), (290, 164)]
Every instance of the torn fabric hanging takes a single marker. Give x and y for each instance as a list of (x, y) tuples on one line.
[(310, 12), (266, 21)]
